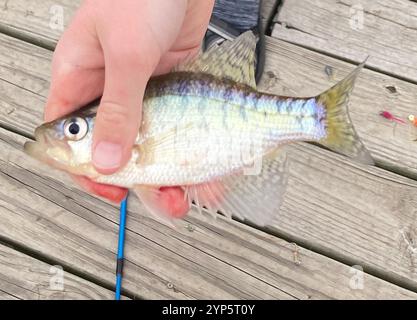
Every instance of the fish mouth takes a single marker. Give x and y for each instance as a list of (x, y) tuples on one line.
[(37, 148), (34, 147), (30, 147)]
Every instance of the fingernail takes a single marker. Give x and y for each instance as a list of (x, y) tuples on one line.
[(107, 155)]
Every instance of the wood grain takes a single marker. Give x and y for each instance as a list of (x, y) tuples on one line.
[(288, 71), (386, 30), (24, 277), (327, 218)]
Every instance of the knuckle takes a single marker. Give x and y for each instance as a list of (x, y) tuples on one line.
[(133, 56), (61, 69), (112, 114)]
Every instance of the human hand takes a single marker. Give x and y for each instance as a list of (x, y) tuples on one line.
[(112, 49)]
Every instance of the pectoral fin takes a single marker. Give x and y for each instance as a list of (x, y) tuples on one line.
[(165, 204), (166, 144)]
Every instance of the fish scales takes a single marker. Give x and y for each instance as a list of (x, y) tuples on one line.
[(182, 91), (224, 120)]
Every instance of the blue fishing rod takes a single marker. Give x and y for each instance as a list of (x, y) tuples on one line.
[(120, 248)]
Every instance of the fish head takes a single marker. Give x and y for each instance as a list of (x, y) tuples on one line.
[(66, 143)]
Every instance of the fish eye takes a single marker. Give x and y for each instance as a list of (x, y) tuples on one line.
[(75, 128)]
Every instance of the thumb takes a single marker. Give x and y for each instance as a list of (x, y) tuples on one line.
[(120, 110)]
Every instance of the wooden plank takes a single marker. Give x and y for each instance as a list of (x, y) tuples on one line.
[(354, 29), (26, 108), (24, 277), (41, 22), (202, 258)]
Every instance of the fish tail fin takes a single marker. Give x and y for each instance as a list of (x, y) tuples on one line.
[(341, 135)]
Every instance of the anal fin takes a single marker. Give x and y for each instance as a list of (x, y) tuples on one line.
[(256, 198)]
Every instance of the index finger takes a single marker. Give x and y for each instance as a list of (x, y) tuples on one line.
[(77, 68)]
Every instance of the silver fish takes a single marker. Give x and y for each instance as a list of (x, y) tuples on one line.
[(203, 123)]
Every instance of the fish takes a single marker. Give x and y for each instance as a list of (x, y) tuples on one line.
[(206, 127)]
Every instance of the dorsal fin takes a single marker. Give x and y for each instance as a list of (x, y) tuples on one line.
[(234, 60)]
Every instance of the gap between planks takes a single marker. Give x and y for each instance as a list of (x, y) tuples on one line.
[(68, 269), (24, 277)]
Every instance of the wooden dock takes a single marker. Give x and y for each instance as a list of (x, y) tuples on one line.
[(345, 231)]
